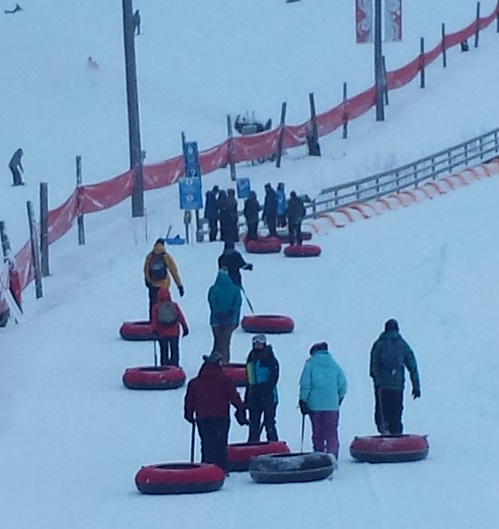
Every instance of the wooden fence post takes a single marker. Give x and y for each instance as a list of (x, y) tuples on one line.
[(281, 136), (344, 116), (444, 51), (35, 254), (79, 220), (477, 26), (314, 148), (422, 64), (230, 137), (44, 229)]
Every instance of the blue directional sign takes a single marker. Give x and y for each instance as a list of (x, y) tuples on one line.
[(243, 187), (190, 193), (191, 160)]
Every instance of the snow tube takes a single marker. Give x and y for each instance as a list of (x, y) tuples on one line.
[(263, 245), (239, 455), (389, 448), (267, 324), (151, 377), (179, 478), (302, 250), (292, 468), (284, 236), (136, 331), (236, 372)]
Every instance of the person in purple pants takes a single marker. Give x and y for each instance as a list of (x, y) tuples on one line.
[(323, 387)]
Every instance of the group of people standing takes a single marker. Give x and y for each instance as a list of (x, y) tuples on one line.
[(276, 212)]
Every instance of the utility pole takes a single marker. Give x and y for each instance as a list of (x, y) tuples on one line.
[(133, 109), (378, 62)]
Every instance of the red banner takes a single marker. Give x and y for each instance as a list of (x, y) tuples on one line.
[(393, 20), (364, 26)]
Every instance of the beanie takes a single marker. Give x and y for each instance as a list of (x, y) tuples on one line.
[(391, 325), (319, 346), (213, 358)]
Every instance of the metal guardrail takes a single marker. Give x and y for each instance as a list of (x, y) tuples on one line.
[(480, 149)]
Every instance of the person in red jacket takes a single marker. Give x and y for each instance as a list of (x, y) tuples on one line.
[(207, 403), (168, 333)]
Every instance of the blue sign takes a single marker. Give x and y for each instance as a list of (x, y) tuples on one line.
[(191, 160), (243, 187), (190, 192)]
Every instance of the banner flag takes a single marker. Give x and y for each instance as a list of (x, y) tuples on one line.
[(364, 21), (393, 20)]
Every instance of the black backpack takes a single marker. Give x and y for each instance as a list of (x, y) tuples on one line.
[(391, 354), (157, 267), (167, 313)]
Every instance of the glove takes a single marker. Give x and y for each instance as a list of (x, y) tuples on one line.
[(416, 393), (241, 418), (185, 332), (181, 291), (249, 267), (189, 417), (305, 410)]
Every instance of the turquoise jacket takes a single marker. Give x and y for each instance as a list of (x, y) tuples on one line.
[(322, 383), (224, 298)]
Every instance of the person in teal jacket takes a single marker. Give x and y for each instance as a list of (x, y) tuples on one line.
[(224, 299), (323, 387), (390, 356)]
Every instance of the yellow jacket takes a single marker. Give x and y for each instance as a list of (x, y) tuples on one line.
[(159, 248)]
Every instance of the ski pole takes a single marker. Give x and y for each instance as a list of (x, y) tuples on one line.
[(250, 305), (302, 432), (193, 440)]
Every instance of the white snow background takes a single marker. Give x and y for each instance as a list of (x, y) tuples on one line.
[(72, 437)]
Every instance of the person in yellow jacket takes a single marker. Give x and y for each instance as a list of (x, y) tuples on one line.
[(157, 269)]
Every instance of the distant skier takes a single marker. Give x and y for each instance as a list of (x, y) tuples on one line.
[(295, 211), (211, 212), (270, 210), (390, 355), (136, 22), (281, 205), (323, 387), (232, 232), (92, 64), (16, 167), (251, 209), (234, 262), (15, 10)]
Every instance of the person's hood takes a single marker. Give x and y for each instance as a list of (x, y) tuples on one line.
[(322, 357), (210, 370), (223, 279), (164, 294), (388, 335)]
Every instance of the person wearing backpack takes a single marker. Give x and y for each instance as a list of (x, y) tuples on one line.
[(225, 300), (166, 321), (323, 387), (157, 269), (390, 356)]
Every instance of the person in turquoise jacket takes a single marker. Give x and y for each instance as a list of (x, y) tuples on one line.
[(224, 299), (323, 387)]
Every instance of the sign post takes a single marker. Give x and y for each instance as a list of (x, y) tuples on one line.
[(190, 194)]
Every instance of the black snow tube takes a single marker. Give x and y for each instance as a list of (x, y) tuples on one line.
[(151, 377), (137, 331), (302, 250), (389, 448), (292, 468), (239, 455), (237, 373), (284, 236), (264, 245), (267, 324), (179, 478)]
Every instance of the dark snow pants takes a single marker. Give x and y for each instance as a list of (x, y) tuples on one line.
[(388, 411), (295, 233), (213, 225), (17, 179), (169, 348), (214, 434), (257, 408), (153, 297)]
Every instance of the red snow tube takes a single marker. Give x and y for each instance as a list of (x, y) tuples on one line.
[(136, 331), (302, 250), (236, 372), (389, 448), (239, 454), (284, 236), (268, 324), (179, 478), (151, 377), (264, 245)]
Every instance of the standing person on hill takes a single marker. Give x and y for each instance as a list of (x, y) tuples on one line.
[(232, 215), (295, 213), (270, 210), (136, 22), (224, 215), (157, 269), (16, 167), (251, 209), (262, 374), (234, 262), (167, 318), (323, 387), (224, 299), (281, 205), (390, 355), (211, 212), (207, 402)]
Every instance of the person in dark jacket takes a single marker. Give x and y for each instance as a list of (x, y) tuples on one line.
[(207, 402), (262, 374), (281, 205), (224, 299), (136, 22), (224, 215), (270, 210), (211, 212), (234, 262), (232, 217), (390, 356), (168, 335), (16, 167), (295, 212), (251, 209)]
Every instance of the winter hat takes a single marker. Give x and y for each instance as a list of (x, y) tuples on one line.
[(319, 346), (213, 358), (160, 241), (267, 185), (215, 189), (391, 325), (259, 338), (293, 194)]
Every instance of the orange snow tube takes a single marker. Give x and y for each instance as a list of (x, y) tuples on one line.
[(389, 448)]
